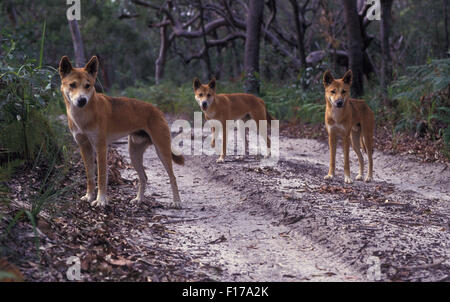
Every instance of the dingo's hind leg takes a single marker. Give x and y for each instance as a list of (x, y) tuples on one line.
[(137, 144), (161, 139), (355, 138)]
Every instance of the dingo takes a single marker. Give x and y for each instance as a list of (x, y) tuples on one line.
[(350, 118), (96, 120), (223, 107)]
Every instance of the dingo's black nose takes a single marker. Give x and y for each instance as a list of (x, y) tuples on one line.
[(205, 105), (81, 102), (340, 103)]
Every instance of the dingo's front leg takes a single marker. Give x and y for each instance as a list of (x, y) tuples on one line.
[(332, 145), (347, 178), (221, 158), (87, 154), (102, 173), (213, 140)]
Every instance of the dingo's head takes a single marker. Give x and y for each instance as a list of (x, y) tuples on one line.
[(77, 84), (204, 94), (337, 91)]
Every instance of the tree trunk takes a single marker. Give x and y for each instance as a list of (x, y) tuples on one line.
[(104, 72), (80, 59), (446, 46), (206, 57), (354, 46), (251, 53), (236, 62), (300, 33), (160, 62), (12, 13), (385, 28)]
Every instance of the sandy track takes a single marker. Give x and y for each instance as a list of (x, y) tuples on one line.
[(244, 222)]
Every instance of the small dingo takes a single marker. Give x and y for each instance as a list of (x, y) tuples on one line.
[(223, 107), (350, 118)]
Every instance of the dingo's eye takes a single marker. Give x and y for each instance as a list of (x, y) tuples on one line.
[(87, 86), (209, 95), (343, 91), (200, 95), (73, 85), (333, 91)]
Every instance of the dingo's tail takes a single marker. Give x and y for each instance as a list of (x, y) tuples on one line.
[(178, 159), (269, 117)]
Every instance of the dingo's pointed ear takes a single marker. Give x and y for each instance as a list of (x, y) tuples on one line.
[(92, 66), (348, 77), (212, 83), (65, 67), (327, 78), (197, 84)]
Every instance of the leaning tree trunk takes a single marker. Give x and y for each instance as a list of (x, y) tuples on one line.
[(446, 46), (77, 41), (385, 28), (300, 33), (160, 62), (251, 53), (354, 46), (12, 13)]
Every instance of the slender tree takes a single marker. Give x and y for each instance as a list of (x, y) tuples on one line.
[(251, 53), (80, 58), (446, 46), (354, 46), (385, 28)]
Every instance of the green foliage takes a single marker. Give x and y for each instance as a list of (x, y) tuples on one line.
[(25, 96), (424, 97), (30, 135), (293, 102), (167, 96)]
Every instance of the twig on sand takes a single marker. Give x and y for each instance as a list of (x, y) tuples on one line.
[(188, 220)]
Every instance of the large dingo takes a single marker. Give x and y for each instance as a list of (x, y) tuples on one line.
[(96, 120)]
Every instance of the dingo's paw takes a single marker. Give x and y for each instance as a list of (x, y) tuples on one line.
[(368, 179), (136, 200), (220, 160), (88, 197), (175, 205), (99, 202), (348, 180), (329, 176), (359, 177)]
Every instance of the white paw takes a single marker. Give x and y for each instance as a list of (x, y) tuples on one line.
[(220, 160), (136, 200), (359, 177), (329, 176), (348, 180), (368, 179), (88, 197), (99, 202), (175, 205)]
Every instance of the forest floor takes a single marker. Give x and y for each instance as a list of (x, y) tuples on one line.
[(243, 221)]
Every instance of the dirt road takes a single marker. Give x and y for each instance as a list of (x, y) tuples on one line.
[(241, 221)]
